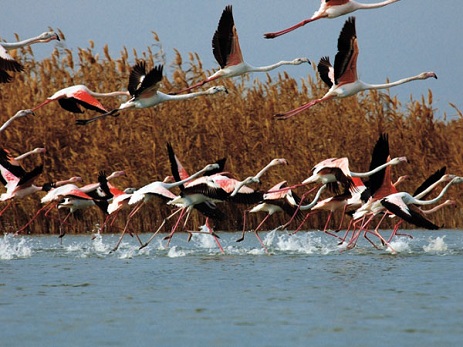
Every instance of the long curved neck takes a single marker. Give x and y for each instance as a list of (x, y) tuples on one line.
[(369, 173), (438, 207), (19, 44), (7, 123), (116, 93), (428, 190), (314, 201), (391, 84), (269, 67), (361, 6), (186, 180), (24, 155), (436, 199)]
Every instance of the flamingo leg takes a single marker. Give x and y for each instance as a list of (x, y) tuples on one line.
[(287, 30), (244, 226), (32, 219)]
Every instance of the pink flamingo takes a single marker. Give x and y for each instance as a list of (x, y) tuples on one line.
[(227, 52), (342, 79), (7, 63), (143, 88), (71, 97), (331, 9), (160, 189)]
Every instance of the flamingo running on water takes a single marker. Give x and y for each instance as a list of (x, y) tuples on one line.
[(227, 52), (7, 63), (342, 79), (331, 9), (143, 88)]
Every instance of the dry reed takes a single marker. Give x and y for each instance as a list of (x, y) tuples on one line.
[(238, 126)]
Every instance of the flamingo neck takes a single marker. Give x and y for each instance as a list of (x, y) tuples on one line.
[(369, 173), (361, 6), (19, 44), (366, 86), (314, 201), (436, 199)]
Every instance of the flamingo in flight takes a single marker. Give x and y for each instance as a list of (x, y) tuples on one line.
[(337, 170), (143, 88), (331, 9), (342, 79), (7, 63), (227, 52), (71, 97)]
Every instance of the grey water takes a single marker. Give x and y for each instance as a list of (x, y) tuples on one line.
[(306, 292)]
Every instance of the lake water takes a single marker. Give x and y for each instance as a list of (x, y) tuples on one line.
[(307, 292)]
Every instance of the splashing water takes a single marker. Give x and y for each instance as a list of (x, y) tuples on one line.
[(436, 245), (401, 244), (12, 248)]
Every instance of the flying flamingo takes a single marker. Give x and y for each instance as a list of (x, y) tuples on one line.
[(227, 52), (337, 170), (331, 9), (143, 88), (71, 97), (7, 63), (19, 114), (342, 79)]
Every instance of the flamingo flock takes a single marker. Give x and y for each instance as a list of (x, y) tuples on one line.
[(331, 185)]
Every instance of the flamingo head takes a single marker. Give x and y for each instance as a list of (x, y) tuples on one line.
[(299, 61), (23, 113), (398, 160), (48, 36), (217, 89), (426, 75), (211, 167), (116, 174), (39, 150)]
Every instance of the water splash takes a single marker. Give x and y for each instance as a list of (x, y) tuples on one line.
[(400, 245), (436, 245), (175, 253), (13, 248)]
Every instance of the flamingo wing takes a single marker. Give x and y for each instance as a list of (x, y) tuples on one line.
[(332, 3), (30, 176), (345, 62), (141, 82), (178, 171), (84, 99), (209, 209), (326, 71), (225, 43), (379, 156), (411, 215), (7, 63)]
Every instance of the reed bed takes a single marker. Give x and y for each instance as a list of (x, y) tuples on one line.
[(238, 126)]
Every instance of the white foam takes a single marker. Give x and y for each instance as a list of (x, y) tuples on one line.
[(12, 248), (436, 245), (175, 253), (400, 245)]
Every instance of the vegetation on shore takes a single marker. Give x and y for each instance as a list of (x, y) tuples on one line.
[(238, 126)]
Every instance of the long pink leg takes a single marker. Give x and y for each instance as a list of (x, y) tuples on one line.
[(257, 233), (159, 228), (287, 30), (33, 218)]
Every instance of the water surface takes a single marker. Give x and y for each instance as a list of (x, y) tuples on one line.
[(307, 292)]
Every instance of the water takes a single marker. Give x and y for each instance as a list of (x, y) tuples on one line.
[(307, 292)]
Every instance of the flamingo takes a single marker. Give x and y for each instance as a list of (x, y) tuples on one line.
[(71, 97), (143, 88), (402, 204), (53, 197), (160, 189), (227, 52), (7, 63), (19, 114), (337, 170), (331, 9), (256, 178), (342, 79), (277, 199)]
